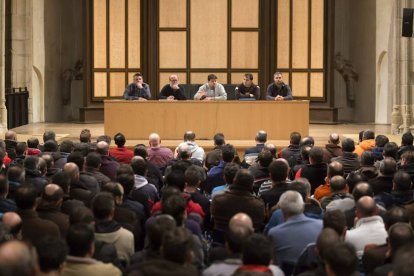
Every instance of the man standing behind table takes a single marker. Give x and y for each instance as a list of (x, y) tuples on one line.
[(172, 91), (138, 90), (247, 89), (278, 90), (212, 90)]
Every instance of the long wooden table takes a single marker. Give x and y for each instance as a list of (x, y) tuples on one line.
[(235, 119)]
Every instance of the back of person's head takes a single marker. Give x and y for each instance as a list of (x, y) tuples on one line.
[(236, 235), (192, 176), (338, 184), (119, 139), (162, 224), (62, 179), (336, 220), (257, 250), (16, 258), (381, 140), (124, 169), (104, 138), (402, 181), (244, 179), (66, 146), (271, 148), (362, 189), (366, 207), (334, 138), (394, 215), (83, 148), (189, 136), (341, 259), (230, 171), (33, 142), (21, 147), (300, 186), (176, 178), (367, 158), (80, 239), (295, 138), (50, 146), (326, 239), (175, 206), (316, 155), (31, 163), (49, 135), (398, 235), (388, 166), (77, 158), (402, 261), (407, 157), (265, 157), (291, 203), (183, 151), (407, 139), (219, 139), (139, 166), (278, 170), (102, 148), (181, 166), (335, 168), (113, 188), (348, 145), (52, 193), (390, 150), (93, 160), (141, 150), (261, 136), (51, 253), (25, 197), (228, 152), (304, 152), (103, 206), (127, 181), (15, 173), (368, 134), (307, 141), (81, 214), (177, 245)]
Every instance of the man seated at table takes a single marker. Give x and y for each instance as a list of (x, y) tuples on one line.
[(212, 90), (247, 89), (278, 90), (138, 90), (172, 91)]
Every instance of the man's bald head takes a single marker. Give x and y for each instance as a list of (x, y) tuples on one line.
[(362, 189), (14, 222), (72, 170), (241, 221), (335, 168), (334, 138), (102, 148), (189, 136), (154, 140), (10, 135), (17, 259), (366, 207), (52, 193)]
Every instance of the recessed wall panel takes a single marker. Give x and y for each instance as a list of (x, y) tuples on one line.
[(299, 84), (283, 33), (317, 34), (245, 50), (117, 84), (173, 49), (173, 13), (316, 83), (245, 13), (201, 78), (117, 33), (134, 34), (99, 33), (100, 84), (300, 34)]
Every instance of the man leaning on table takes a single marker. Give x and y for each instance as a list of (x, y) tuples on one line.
[(278, 90), (212, 90), (138, 90), (172, 91)]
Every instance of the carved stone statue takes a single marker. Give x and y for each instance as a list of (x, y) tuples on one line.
[(350, 76)]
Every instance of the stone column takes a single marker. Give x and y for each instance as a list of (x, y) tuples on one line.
[(3, 110)]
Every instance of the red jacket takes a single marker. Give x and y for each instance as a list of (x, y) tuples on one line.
[(192, 207), (123, 155)]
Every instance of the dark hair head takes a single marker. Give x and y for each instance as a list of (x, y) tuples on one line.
[(316, 155), (390, 150), (408, 157), (49, 135), (388, 166), (177, 245), (103, 205), (381, 140), (307, 141), (119, 139), (278, 170), (113, 188), (304, 152), (93, 160), (31, 162), (81, 214), (176, 178), (368, 134), (341, 258), (261, 136), (348, 145), (25, 197), (32, 142), (175, 206), (15, 173), (124, 168), (335, 168), (141, 150), (338, 183), (299, 186), (257, 250), (367, 158), (398, 235), (244, 179), (402, 181), (265, 158), (51, 253), (127, 181), (66, 146), (189, 136), (62, 179), (83, 148), (79, 239), (228, 152), (403, 257), (249, 76), (327, 238), (50, 146), (219, 139), (211, 77), (230, 171), (192, 176), (77, 158), (336, 220), (21, 147), (394, 215), (104, 138), (162, 224), (407, 139), (139, 166), (295, 138)]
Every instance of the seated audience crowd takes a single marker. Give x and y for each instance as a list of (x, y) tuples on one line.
[(91, 208)]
